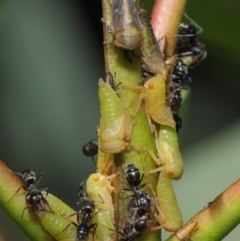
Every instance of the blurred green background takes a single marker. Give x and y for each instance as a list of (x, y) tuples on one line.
[(51, 58)]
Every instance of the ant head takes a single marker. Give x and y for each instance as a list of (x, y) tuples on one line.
[(133, 175), (82, 193), (188, 30), (28, 176), (131, 168)]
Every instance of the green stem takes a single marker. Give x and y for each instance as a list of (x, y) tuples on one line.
[(129, 74), (14, 206), (218, 219)]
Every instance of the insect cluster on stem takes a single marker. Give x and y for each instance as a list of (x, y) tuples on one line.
[(157, 97)]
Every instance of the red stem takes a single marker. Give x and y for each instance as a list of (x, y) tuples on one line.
[(166, 16)]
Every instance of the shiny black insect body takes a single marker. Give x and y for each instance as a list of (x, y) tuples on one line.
[(85, 213), (87, 205), (136, 229), (179, 75), (82, 193), (140, 203), (188, 42), (90, 148), (189, 32), (176, 97), (87, 209), (180, 71), (85, 217), (34, 198), (134, 177)]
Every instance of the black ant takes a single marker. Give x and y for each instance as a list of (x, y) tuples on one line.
[(87, 208), (90, 148), (87, 204), (85, 217), (187, 39), (188, 32), (34, 198), (141, 201), (175, 97), (134, 177), (136, 229), (180, 71), (139, 204), (179, 75), (82, 193), (84, 214)]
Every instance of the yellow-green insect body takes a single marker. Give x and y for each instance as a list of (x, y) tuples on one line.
[(104, 162), (184, 233), (113, 104), (169, 153), (99, 189), (170, 216), (187, 231), (60, 208), (113, 122), (58, 227), (104, 219), (155, 100)]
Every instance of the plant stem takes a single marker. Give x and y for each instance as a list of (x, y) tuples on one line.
[(218, 219), (166, 16), (129, 74), (14, 204)]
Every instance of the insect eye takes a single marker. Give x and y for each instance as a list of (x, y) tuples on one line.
[(151, 85), (171, 172), (95, 177), (170, 228)]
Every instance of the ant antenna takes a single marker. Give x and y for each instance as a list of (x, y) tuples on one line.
[(200, 29)]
